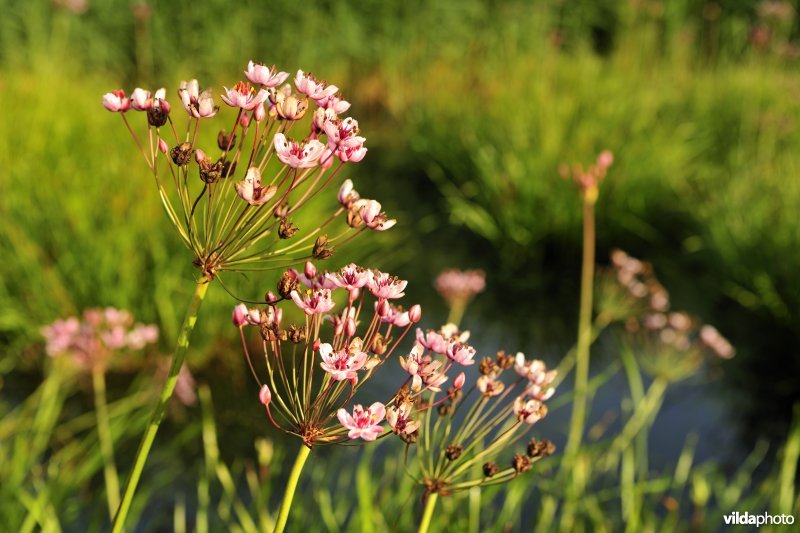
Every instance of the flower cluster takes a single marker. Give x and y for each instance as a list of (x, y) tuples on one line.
[(458, 287), (672, 343), (90, 341), (588, 179), (236, 215), (456, 452), (316, 368)]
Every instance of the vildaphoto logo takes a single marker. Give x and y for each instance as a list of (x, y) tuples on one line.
[(748, 519)]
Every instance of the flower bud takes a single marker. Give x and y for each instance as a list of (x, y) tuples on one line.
[(162, 146), (310, 270), (264, 395), (383, 308), (225, 140), (415, 313), (260, 113), (458, 383), (200, 156), (351, 327), (354, 294), (244, 120), (316, 345), (240, 315), (270, 297)]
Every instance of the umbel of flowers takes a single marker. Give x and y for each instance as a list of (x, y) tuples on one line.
[(314, 369), (234, 202), (460, 436), (670, 344)]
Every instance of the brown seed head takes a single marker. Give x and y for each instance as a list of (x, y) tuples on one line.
[(521, 463), (504, 361), (286, 229), (297, 334), (487, 366), (286, 285), (453, 452), (156, 116), (225, 140), (540, 448), (321, 248), (181, 154), (490, 469)]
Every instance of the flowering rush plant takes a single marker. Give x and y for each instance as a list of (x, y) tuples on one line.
[(461, 434), (233, 203), (315, 369)]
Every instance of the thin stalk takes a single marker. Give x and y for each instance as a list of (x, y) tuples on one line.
[(161, 407), (428, 514), (291, 486), (106, 441), (578, 420)]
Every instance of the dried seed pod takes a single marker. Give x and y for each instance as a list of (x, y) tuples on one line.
[(287, 284), (286, 229), (490, 469), (225, 140), (181, 154), (453, 452), (521, 463)]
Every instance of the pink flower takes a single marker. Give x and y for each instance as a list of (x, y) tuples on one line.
[(393, 315), (297, 155), (458, 383), (363, 424), (251, 190), (350, 277), (386, 287), (316, 302), (333, 103), (370, 213), (400, 419), (489, 385), (461, 353), (344, 141), (321, 116), (318, 281), (197, 104), (266, 76), (718, 344), (530, 411), (244, 96), (116, 101), (423, 369), (318, 91), (141, 100), (341, 365), (432, 340)]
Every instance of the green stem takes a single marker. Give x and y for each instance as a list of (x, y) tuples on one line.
[(106, 441), (161, 407), (291, 486), (578, 420), (428, 514), (649, 405)]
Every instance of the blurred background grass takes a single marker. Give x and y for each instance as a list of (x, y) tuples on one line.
[(469, 107)]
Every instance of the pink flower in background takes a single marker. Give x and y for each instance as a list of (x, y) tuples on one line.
[(363, 424), (116, 101), (197, 104), (718, 344), (314, 302), (539, 378), (100, 333), (266, 76), (141, 100), (386, 287), (243, 95), (460, 286), (344, 141), (295, 154), (251, 190), (341, 365)]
